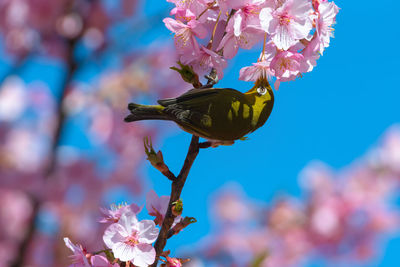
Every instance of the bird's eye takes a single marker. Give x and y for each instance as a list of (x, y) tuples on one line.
[(261, 90)]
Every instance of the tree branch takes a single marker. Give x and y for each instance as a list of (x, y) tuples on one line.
[(176, 189)]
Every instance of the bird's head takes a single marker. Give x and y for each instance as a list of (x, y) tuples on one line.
[(261, 89), (261, 99)]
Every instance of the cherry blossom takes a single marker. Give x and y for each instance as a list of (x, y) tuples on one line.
[(248, 37), (247, 16), (194, 6), (257, 71), (288, 23), (79, 259), (115, 213), (310, 54), (185, 34), (205, 60), (182, 14), (327, 12), (286, 66), (130, 240)]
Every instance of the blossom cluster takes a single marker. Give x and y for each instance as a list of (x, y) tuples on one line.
[(127, 238), (342, 217), (295, 34)]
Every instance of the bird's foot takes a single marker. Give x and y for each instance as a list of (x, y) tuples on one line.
[(216, 143), (212, 79)]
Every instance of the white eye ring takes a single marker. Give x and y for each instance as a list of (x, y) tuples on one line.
[(261, 90)]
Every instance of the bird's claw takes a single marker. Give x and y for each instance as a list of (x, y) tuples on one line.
[(212, 79)]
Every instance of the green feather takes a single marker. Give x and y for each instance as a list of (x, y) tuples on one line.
[(216, 114)]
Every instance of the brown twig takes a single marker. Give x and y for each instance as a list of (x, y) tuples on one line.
[(178, 182), (176, 189)]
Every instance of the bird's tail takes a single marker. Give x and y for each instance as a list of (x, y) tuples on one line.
[(145, 112)]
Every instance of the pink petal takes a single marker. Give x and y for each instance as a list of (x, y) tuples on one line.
[(249, 37), (163, 204), (124, 252), (127, 220), (70, 245), (182, 14), (135, 208), (230, 45), (282, 38), (148, 232), (146, 255), (198, 29), (277, 84), (100, 261), (151, 201), (300, 31), (237, 23), (113, 234), (266, 19), (174, 25), (300, 8), (249, 74)]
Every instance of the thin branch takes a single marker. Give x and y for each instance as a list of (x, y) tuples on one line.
[(176, 189), (169, 175)]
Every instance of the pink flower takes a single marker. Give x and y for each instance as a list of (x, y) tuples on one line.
[(247, 15), (248, 37), (130, 240), (157, 206), (311, 54), (257, 71), (182, 14), (195, 6), (286, 65), (114, 214), (326, 18), (101, 261), (205, 60), (79, 258), (185, 35), (226, 5), (260, 69), (288, 23)]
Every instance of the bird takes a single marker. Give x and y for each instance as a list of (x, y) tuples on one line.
[(216, 114)]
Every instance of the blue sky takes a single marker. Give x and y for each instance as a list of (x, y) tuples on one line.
[(333, 114)]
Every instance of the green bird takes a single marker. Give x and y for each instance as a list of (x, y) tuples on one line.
[(216, 114)]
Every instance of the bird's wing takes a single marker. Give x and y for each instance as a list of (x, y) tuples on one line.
[(192, 121), (189, 95), (195, 110)]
